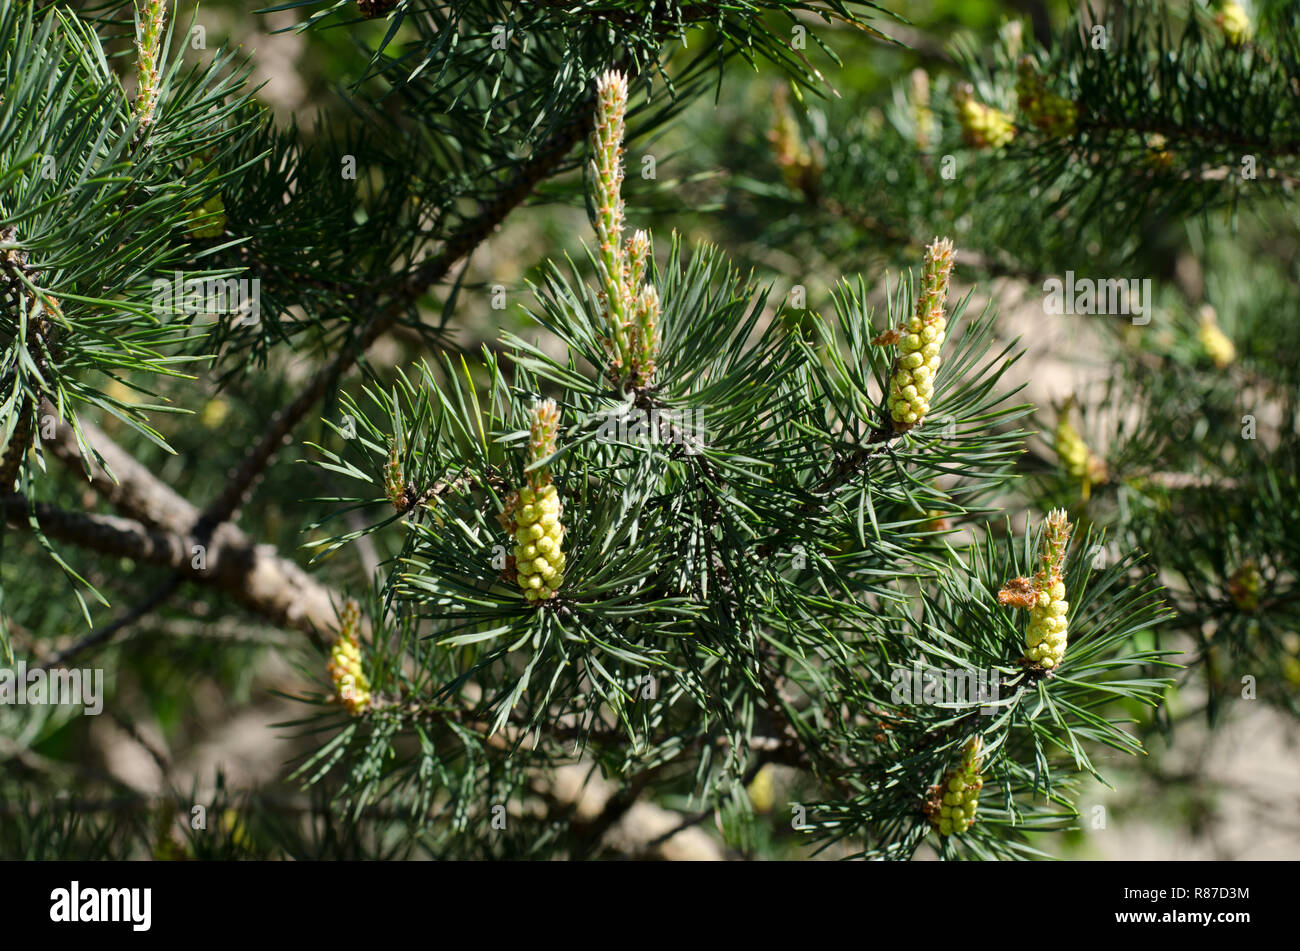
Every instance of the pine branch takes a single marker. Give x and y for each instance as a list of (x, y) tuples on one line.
[(253, 574), (541, 164)]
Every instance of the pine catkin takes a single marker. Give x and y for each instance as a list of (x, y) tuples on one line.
[(1218, 346), (1231, 17), (537, 527), (954, 802), (911, 385), (1048, 629), (351, 688), (983, 127)]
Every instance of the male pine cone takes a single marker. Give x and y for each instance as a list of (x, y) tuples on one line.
[(954, 802), (351, 687), (911, 385), (538, 531), (1048, 629)]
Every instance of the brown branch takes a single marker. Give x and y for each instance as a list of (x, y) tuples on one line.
[(127, 485), (253, 574), (542, 163)]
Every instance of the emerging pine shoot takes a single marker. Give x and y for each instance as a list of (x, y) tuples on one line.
[(953, 803), (151, 16), (630, 307), (351, 687), (538, 531), (1045, 597), (982, 126), (911, 385)]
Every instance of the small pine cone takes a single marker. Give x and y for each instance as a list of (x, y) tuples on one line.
[(351, 688), (539, 542), (954, 802), (1218, 346), (982, 126), (911, 385)]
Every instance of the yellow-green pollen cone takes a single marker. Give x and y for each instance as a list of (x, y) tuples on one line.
[(954, 802), (911, 385), (538, 529), (983, 127), (1218, 345), (1048, 630), (1231, 17), (351, 687)]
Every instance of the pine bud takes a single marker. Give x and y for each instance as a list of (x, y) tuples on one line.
[(607, 180), (351, 688), (953, 803), (538, 529), (1218, 346), (1048, 629), (982, 126), (1232, 19), (911, 385), (1054, 115)]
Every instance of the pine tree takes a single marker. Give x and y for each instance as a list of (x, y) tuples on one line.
[(791, 556)]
